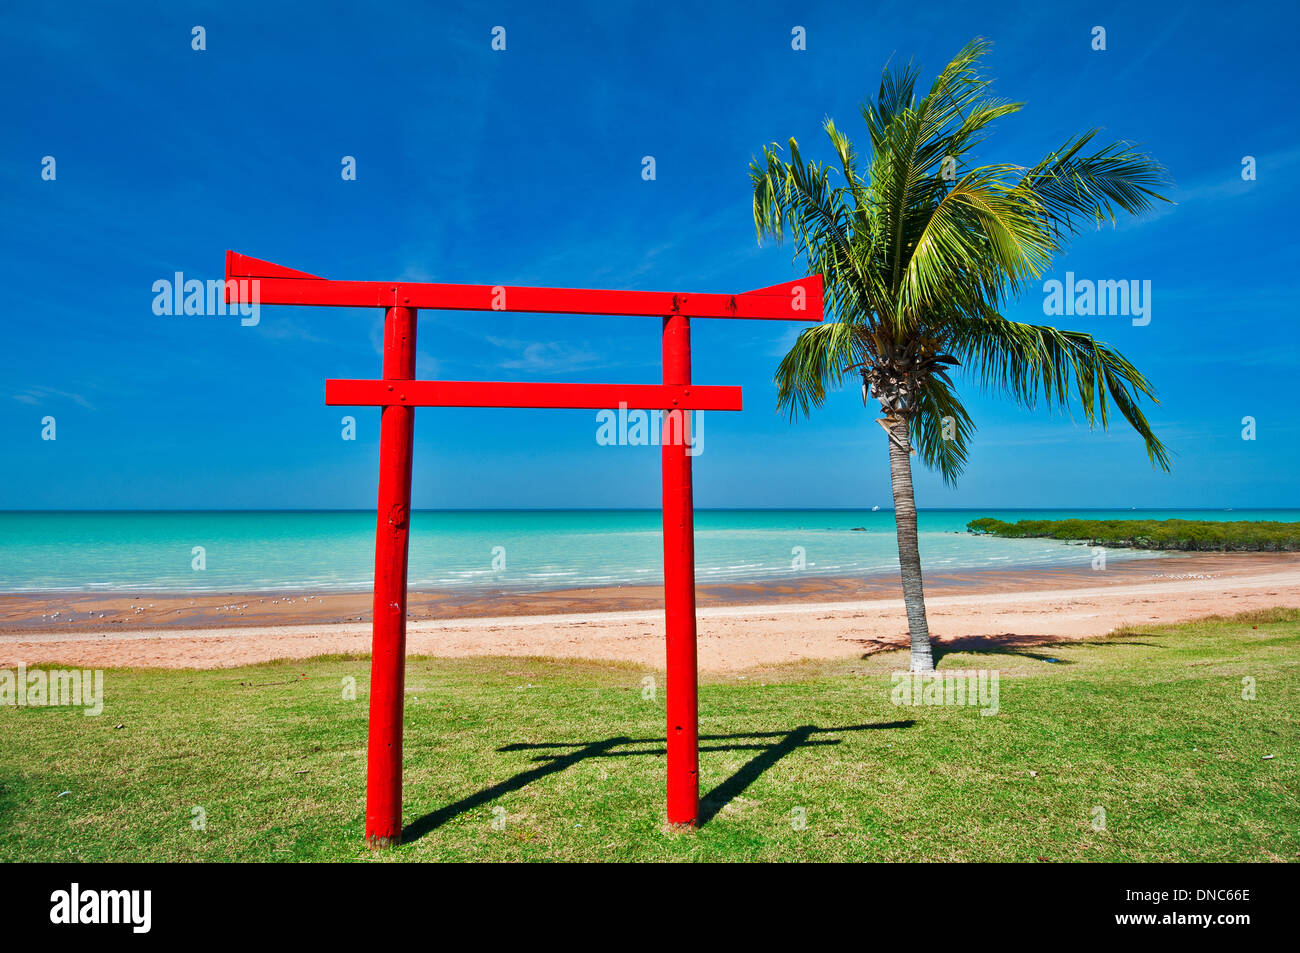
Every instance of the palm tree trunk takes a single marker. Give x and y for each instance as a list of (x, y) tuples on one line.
[(909, 554)]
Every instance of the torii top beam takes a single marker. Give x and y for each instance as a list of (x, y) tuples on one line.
[(799, 300)]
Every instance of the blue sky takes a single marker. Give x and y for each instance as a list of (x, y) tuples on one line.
[(524, 167)]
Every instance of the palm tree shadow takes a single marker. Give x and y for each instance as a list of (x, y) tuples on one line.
[(710, 804), (1011, 643), (941, 650)]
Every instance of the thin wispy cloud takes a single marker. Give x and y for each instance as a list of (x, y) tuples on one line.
[(544, 355), (38, 396)]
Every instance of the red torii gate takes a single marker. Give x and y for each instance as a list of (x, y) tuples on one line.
[(250, 280)]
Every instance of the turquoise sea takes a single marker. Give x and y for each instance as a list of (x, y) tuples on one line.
[(514, 550)]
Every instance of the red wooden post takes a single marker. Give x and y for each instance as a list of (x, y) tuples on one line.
[(679, 586), (392, 535)]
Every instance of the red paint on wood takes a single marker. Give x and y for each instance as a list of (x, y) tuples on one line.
[(516, 394), (679, 589), (245, 266), (799, 300), (392, 537)]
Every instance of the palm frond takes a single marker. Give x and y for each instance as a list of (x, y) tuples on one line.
[(942, 431), (817, 362), (1071, 186), (983, 236), (1064, 369)]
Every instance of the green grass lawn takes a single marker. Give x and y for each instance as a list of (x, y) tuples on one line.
[(510, 759)]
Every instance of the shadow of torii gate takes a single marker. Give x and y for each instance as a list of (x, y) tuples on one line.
[(554, 757), (398, 393)]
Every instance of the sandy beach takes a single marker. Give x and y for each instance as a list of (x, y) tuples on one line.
[(739, 626)]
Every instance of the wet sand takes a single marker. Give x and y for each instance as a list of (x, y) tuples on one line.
[(118, 611), (740, 625)]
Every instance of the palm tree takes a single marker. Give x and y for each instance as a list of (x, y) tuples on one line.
[(920, 250)]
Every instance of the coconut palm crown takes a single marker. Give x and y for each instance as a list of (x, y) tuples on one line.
[(920, 250)]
